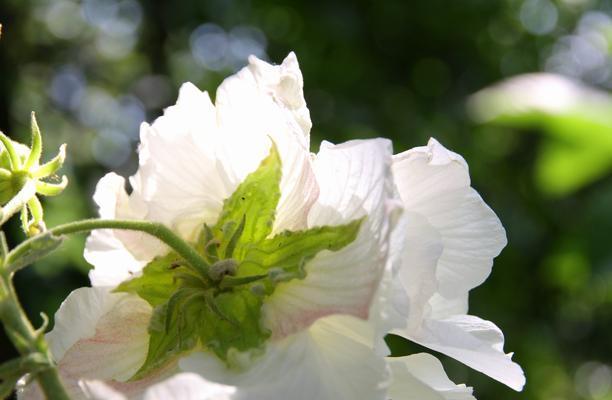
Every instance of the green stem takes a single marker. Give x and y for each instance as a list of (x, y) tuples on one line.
[(16, 203), (27, 340), (157, 230)]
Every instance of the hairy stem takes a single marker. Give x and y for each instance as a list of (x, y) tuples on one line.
[(27, 340), (157, 230)]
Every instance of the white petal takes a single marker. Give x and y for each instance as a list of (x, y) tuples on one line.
[(475, 342), (182, 386), (415, 280), (333, 359), (180, 176), (102, 336), (115, 254), (98, 390), (261, 102), (194, 156), (435, 183), (421, 377), (188, 386), (355, 181)]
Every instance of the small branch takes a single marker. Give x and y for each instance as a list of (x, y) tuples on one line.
[(157, 230), (28, 341)]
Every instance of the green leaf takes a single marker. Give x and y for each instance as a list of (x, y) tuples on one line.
[(157, 282), (232, 320), (574, 120), (222, 313), (172, 330), (248, 214), (285, 255)]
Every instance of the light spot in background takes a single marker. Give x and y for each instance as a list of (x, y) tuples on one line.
[(111, 148), (111, 47), (67, 87), (538, 17), (116, 18), (209, 45), (586, 53), (97, 108), (215, 49), (130, 113), (116, 22), (116, 122), (64, 20), (593, 380), (244, 41)]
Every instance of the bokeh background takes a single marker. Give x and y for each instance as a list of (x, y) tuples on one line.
[(539, 146)]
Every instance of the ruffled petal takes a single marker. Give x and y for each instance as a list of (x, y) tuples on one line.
[(116, 255), (103, 336), (421, 377), (415, 280), (196, 154), (477, 343), (333, 359), (355, 181), (180, 175), (435, 183), (263, 102)]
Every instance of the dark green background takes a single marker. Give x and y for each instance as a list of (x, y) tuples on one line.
[(398, 69)]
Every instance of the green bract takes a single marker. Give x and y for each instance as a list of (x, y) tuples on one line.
[(220, 310), (22, 177)]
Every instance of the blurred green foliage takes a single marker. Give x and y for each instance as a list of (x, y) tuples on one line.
[(92, 70)]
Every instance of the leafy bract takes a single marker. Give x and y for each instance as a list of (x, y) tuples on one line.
[(248, 214), (222, 312), (157, 282)]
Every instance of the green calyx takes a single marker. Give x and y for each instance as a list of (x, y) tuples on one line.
[(221, 310), (20, 166)]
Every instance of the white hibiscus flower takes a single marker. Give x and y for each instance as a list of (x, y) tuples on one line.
[(446, 248), (301, 276)]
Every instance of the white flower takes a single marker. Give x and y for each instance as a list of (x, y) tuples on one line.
[(446, 248), (322, 313)]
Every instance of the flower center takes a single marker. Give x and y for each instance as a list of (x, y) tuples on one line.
[(220, 310)]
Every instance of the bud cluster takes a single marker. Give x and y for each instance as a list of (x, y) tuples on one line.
[(22, 176)]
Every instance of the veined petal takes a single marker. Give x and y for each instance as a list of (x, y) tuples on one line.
[(333, 359), (415, 280), (180, 175), (182, 386), (195, 155), (355, 181), (116, 255), (475, 342), (263, 102), (421, 377), (435, 183), (188, 386), (100, 335)]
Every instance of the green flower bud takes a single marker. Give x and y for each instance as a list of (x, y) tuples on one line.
[(20, 166)]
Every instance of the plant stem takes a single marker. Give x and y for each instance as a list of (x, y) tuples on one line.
[(157, 230), (27, 340)]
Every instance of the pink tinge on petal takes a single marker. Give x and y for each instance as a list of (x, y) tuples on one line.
[(354, 182)]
